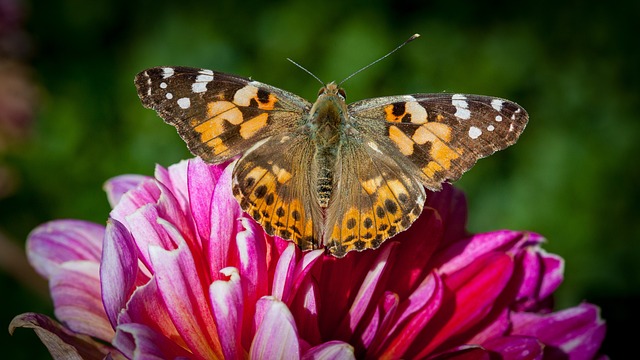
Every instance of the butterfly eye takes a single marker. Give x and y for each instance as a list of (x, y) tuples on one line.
[(322, 90), (342, 94)]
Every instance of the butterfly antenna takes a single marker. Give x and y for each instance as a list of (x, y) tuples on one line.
[(413, 37), (307, 71)]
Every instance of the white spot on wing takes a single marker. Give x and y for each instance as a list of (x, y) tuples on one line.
[(474, 132), (167, 72), (204, 78), (497, 104), (169, 96), (184, 102), (163, 85), (462, 106), (498, 118), (491, 128), (206, 72), (198, 87)]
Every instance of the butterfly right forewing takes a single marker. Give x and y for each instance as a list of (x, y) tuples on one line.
[(442, 135)]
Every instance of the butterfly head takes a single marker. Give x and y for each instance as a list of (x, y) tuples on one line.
[(332, 89)]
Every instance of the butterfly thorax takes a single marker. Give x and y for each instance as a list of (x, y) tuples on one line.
[(326, 119)]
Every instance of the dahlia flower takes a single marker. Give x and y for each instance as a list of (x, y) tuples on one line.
[(180, 272)]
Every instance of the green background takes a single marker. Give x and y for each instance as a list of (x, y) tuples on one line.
[(572, 177)]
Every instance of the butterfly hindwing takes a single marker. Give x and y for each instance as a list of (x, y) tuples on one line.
[(374, 199), (276, 193), (218, 115), (443, 135)]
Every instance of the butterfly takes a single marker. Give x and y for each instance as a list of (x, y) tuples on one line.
[(329, 174)]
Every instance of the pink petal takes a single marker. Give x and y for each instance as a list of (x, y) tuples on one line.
[(251, 254), (117, 186), (61, 343), (182, 290), (542, 273), (136, 341), (516, 347), (365, 293), (377, 322), (56, 242), (305, 309), (147, 192), (146, 231), (283, 275), (201, 182), (224, 214), (175, 180), (276, 336), (75, 290), (330, 350), (497, 328), (417, 246), (577, 332), (290, 273), (118, 270), (146, 306), (414, 314), (227, 305), (474, 291), (252, 260), (462, 253)]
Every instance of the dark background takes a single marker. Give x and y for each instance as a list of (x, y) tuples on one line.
[(572, 177)]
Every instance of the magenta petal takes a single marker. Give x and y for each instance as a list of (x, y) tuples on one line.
[(227, 304), (413, 315), (516, 347), (576, 332), (116, 187), (56, 242), (283, 275), (75, 290), (305, 309), (201, 182), (462, 253), (183, 293), (330, 350), (136, 341), (175, 180), (252, 260), (118, 269), (276, 336), (61, 343), (146, 307), (224, 214), (147, 192), (146, 231), (364, 296), (542, 274)]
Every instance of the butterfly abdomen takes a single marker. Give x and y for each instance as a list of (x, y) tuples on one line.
[(325, 158)]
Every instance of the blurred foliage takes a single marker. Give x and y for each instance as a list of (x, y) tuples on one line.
[(572, 65)]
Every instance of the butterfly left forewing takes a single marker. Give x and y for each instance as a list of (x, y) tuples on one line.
[(218, 115), (442, 135)]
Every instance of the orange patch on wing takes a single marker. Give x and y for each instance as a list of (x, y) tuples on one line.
[(250, 127), (218, 112), (432, 132), (372, 185), (404, 143)]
